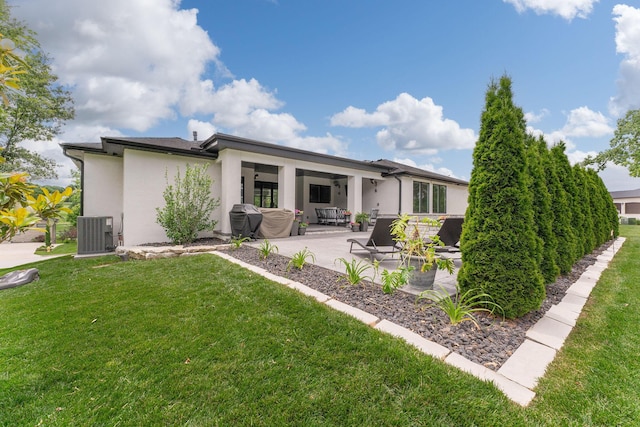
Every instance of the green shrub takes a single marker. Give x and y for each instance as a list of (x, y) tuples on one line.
[(188, 205), (632, 221)]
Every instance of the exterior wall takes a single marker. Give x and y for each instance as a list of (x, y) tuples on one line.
[(457, 199), (144, 180), (103, 189), (628, 207), (457, 196)]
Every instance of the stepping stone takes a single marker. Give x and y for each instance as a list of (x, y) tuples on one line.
[(582, 287), (563, 313), (528, 363), (574, 302), (549, 332)]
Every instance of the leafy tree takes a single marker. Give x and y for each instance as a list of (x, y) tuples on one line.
[(50, 207), (39, 108), (75, 200), (14, 213), (499, 246), (188, 205), (542, 211), (625, 145)]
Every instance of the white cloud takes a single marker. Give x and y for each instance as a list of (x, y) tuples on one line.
[(427, 166), (203, 129), (133, 64), (567, 9), (581, 122), (532, 117), (627, 20), (128, 62), (409, 124)]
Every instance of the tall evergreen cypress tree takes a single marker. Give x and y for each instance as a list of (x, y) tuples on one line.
[(543, 215), (498, 243), (584, 203), (563, 214), (565, 174)]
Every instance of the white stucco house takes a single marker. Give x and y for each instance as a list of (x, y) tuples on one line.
[(124, 178), (627, 203)]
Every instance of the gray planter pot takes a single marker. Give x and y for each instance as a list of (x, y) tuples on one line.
[(294, 227), (364, 226), (419, 280)]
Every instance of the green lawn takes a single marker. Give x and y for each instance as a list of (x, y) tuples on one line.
[(199, 341)]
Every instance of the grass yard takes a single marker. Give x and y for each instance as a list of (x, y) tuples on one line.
[(198, 341), (60, 249)]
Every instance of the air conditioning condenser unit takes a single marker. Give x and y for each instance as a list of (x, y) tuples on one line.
[(95, 234)]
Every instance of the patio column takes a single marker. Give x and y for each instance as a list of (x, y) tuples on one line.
[(287, 187), (354, 199), (231, 168)]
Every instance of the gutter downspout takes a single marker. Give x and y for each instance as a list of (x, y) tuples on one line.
[(399, 194), (64, 152)]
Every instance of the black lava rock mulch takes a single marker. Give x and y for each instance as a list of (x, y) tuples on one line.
[(490, 345)]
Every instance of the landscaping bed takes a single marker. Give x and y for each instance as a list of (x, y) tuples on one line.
[(490, 346)]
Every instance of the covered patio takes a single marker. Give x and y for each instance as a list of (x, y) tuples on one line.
[(329, 243)]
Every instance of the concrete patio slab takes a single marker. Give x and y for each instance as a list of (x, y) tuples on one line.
[(423, 344), (514, 391), (549, 332), (528, 363)]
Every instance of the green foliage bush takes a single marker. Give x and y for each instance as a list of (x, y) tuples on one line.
[(188, 205)]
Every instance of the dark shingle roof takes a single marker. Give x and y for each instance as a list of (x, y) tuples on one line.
[(625, 194), (396, 168)]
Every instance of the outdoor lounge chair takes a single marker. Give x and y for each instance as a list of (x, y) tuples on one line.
[(380, 242), (449, 234)]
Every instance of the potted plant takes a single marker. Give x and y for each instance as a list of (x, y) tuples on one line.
[(347, 218), (355, 226), (302, 229), (418, 250), (362, 218)]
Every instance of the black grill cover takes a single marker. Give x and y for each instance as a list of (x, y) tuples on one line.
[(245, 220)]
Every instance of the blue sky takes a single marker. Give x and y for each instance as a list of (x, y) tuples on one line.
[(362, 79)]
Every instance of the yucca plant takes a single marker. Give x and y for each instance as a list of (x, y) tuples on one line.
[(267, 248), (463, 306), (300, 258), (236, 242), (355, 271)]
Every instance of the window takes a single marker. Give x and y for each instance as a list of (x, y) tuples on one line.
[(439, 198), (319, 193), (265, 194), (420, 197)]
